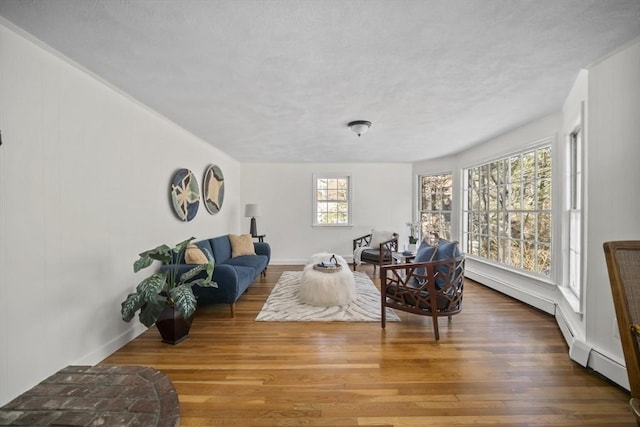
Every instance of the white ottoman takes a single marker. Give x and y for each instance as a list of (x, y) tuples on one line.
[(325, 289)]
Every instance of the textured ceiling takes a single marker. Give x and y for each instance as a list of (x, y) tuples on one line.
[(279, 80)]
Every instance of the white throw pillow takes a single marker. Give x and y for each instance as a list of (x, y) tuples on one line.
[(380, 236)]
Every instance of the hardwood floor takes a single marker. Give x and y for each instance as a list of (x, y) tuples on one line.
[(499, 363)]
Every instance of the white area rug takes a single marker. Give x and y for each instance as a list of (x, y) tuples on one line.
[(284, 304)]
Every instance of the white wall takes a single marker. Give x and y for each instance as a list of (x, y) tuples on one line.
[(381, 199), (570, 311), (607, 95), (613, 196), (84, 180)]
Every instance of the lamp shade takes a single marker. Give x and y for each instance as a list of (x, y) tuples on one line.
[(251, 210)]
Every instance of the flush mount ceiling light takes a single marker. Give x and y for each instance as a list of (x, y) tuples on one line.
[(359, 126)]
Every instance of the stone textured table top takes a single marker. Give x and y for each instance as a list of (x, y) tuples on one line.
[(97, 396)]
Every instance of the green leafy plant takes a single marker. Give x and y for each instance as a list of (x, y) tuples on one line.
[(167, 286)]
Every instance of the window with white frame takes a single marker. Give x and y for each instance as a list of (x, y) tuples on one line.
[(507, 213), (332, 200), (574, 192), (435, 204)]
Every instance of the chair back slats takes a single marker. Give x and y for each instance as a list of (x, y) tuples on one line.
[(431, 288), (623, 266), (379, 255)]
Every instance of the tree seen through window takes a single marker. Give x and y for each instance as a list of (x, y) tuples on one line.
[(332, 200), (508, 210)]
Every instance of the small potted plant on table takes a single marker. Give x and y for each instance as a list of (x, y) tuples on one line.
[(166, 298), (415, 228)]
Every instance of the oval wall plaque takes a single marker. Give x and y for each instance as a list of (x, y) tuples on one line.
[(213, 189)]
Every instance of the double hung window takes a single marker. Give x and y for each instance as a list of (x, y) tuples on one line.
[(435, 204), (575, 210), (332, 200)]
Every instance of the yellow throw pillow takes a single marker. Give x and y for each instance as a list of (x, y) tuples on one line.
[(194, 255), (241, 245)]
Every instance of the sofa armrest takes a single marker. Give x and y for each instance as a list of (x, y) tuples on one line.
[(180, 269), (228, 290), (224, 275), (263, 249)]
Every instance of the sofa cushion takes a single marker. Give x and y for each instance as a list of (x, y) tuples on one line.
[(194, 255), (257, 262), (241, 245), (221, 247)]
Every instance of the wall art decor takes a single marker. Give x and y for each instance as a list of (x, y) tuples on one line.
[(185, 194), (213, 189)]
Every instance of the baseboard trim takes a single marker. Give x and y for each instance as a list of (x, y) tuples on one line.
[(585, 355), (609, 368), (289, 261), (106, 350), (537, 301), (301, 261)]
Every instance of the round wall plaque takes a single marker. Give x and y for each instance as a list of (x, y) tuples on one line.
[(185, 194)]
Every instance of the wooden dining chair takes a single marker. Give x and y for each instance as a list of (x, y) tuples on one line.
[(623, 265)]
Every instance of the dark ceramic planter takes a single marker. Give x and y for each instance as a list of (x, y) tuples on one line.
[(172, 326)]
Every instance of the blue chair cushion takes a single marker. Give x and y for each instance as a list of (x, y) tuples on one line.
[(425, 253), (446, 250)]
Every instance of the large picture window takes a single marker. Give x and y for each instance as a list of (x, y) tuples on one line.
[(332, 200), (507, 214), (435, 205)]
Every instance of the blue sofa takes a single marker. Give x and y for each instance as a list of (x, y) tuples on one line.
[(233, 275)]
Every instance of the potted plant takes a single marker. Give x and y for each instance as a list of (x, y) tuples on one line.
[(414, 230), (165, 297)]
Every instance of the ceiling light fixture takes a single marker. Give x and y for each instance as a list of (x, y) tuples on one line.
[(359, 126)]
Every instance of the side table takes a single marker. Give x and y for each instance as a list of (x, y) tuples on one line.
[(401, 258)]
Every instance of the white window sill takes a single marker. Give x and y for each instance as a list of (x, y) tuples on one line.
[(571, 299), (538, 278)]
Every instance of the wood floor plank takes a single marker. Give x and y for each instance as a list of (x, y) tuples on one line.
[(498, 363)]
